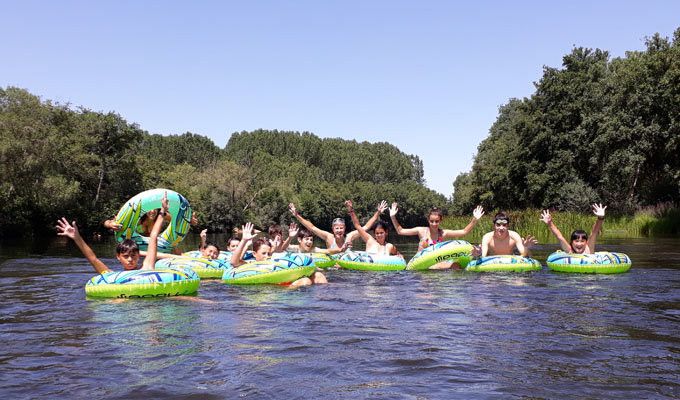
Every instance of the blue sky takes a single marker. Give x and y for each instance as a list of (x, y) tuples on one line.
[(426, 76)]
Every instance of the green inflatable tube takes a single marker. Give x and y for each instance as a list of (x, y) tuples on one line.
[(131, 212), (457, 251)]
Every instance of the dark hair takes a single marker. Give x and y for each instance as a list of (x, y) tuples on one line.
[(381, 224), (210, 244), (436, 211), (231, 239), (257, 243), (144, 217), (127, 246), (501, 215), (579, 232), (303, 233), (275, 230)]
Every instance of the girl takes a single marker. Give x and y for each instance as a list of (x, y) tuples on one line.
[(579, 243)]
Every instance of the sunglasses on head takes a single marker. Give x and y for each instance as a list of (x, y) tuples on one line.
[(501, 222)]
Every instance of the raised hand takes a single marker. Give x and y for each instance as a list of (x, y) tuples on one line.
[(113, 225), (545, 217), (349, 205), (66, 229), (598, 210), (247, 231), (476, 251), (382, 207), (204, 235), (478, 212), (291, 208), (394, 209), (529, 241), (293, 230), (164, 203)]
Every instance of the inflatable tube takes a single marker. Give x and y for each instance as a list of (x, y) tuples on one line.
[(457, 251), (204, 268), (131, 212), (276, 270), (601, 262), (505, 263), (143, 283), (363, 261), (323, 260), (224, 255)]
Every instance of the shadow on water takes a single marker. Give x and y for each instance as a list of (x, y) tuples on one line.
[(439, 334)]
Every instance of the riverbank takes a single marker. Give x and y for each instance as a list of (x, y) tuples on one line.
[(660, 221)]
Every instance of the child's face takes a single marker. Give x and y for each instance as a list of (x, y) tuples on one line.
[(129, 260), (501, 227), (339, 230), (306, 243), (210, 252), (262, 253), (579, 244), (434, 221), (232, 245), (380, 235)]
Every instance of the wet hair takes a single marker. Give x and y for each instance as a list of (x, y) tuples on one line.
[(381, 224), (436, 211), (303, 233), (578, 233), (257, 243), (275, 230), (127, 246), (231, 239), (501, 215), (207, 244)]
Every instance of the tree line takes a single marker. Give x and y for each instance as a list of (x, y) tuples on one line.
[(57, 160), (596, 130)]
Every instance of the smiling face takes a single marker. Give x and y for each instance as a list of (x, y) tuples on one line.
[(500, 228), (129, 259), (339, 228), (210, 252), (579, 242), (433, 220), (232, 245), (380, 235), (306, 243), (262, 253)]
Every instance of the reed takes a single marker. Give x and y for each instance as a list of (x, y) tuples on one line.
[(660, 220)]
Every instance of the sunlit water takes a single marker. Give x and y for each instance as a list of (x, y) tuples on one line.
[(439, 334)]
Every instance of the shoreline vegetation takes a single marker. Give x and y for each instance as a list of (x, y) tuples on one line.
[(596, 130), (662, 220)]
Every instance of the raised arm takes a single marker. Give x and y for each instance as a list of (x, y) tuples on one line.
[(246, 237), (401, 231), (204, 238), (152, 248), (71, 232), (367, 226), (599, 211), (547, 219), (477, 214), (292, 232), (327, 236), (357, 225)]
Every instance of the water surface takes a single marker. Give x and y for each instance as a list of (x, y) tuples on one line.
[(438, 335)]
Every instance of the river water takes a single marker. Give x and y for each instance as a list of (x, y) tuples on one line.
[(413, 335)]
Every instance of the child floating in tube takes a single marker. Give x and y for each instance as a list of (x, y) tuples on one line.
[(580, 243)]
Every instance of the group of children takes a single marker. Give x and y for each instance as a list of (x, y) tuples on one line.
[(500, 241)]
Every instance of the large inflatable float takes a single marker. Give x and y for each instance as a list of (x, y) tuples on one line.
[(364, 261), (601, 262), (174, 281), (504, 263), (204, 267), (456, 251), (280, 269), (133, 210)]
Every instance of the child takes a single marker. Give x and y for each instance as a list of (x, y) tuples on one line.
[(306, 242), (337, 238), (502, 241), (377, 245), (261, 251), (579, 243), (429, 235), (127, 251), (208, 250)]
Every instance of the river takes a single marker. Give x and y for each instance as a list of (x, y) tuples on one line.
[(412, 335)]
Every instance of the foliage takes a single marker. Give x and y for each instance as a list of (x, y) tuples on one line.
[(594, 130)]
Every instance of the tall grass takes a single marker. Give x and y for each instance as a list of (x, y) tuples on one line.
[(660, 220)]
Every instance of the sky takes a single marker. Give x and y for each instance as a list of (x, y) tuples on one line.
[(425, 76)]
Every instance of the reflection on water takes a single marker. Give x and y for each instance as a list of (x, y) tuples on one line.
[(439, 334)]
